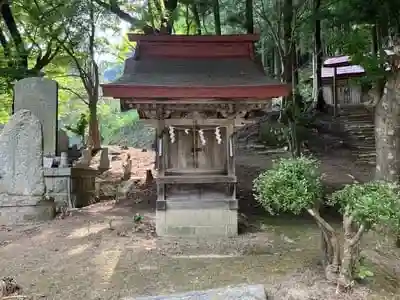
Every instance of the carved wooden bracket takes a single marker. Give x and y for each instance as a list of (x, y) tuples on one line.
[(212, 110)]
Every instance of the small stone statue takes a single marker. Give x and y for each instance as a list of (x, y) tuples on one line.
[(84, 160), (63, 160)]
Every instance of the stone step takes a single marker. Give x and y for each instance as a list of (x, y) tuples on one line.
[(356, 116), (371, 158), (360, 145), (355, 113), (362, 141), (368, 131), (361, 135), (348, 123), (359, 126), (356, 120), (362, 138), (366, 156), (366, 162), (365, 149)]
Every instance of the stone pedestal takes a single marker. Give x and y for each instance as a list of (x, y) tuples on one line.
[(21, 209), (197, 222), (72, 187), (58, 186)]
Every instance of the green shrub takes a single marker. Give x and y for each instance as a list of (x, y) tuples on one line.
[(370, 203), (273, 134), (294, 185), (291, 185)]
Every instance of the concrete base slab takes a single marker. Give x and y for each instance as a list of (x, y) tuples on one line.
[(245, 292), (197, 222)]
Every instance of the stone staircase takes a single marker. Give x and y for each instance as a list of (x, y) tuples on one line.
[(358, 124)]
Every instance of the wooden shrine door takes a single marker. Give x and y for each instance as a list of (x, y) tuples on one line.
[(200, 150), (210, 154), (196, 151)]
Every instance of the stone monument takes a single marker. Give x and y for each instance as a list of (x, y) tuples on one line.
[(40, 96), (22, 186)]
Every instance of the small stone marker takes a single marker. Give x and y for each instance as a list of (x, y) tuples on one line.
[(84, 160), (62, 142), (40, 96), (104, 160), (245, 292)]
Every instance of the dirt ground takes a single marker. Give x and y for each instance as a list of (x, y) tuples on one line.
[(98, 252)]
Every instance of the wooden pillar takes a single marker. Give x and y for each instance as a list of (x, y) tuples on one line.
[(230, 151), (334, 92), (161, 160)]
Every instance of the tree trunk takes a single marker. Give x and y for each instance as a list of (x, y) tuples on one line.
[(217, 18), (151, 13), (277, 64), (289, 103), (318, 58), (187, 19), (347, 267), (196, 17), (249, 17), (296, 67), (387, 133), (351, 253), (330, 246), (167, 22), (94, 133)]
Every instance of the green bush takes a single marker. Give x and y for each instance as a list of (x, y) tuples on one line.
[(273, 134), (291, 185), (294, 185), (370, 203)]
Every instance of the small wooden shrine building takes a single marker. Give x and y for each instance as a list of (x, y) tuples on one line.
[(339, 91), (194, 89)]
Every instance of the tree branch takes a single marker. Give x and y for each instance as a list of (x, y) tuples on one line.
[(274, 35), (82, 73), (74, 93), (4, 44), (114, 8), (333, 237), (14, 32), (358, 235), (320, 220)]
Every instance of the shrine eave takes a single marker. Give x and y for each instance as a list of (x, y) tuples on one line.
[(262, 92), (233, 38), (337, 61)]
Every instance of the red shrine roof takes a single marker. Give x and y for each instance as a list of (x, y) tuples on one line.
[(185, 67)]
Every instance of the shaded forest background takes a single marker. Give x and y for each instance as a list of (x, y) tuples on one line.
[(70, 42)]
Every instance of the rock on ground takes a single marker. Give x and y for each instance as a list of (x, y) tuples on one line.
[(245, 292)]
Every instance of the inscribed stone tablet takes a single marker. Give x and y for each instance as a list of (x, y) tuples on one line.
[(40, 96)]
